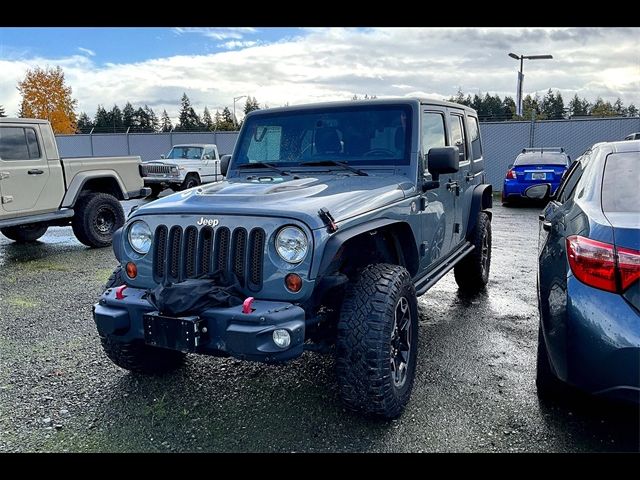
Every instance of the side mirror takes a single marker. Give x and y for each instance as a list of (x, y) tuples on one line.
[(441, 160), (224, 164), (162, 156), (538, 192)]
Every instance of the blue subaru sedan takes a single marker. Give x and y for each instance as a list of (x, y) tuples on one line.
[(534, 166), (589, 276)]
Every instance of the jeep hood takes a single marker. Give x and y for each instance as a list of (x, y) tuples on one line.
[(345, 196)]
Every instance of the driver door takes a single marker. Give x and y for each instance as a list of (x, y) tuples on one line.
[(437, 204)]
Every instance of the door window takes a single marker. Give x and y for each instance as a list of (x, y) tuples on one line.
[(17, 143), (457, 135), (474, 134), (433, 133)]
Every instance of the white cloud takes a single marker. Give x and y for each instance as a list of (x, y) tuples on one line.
[(88, 51), (217, 33), (233, 44), (335, 64)]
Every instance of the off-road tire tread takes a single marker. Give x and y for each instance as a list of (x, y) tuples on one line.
[(468, 272), (80, 222)]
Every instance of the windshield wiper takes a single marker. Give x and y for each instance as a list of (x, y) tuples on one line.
[(357, 171), (262, 165)]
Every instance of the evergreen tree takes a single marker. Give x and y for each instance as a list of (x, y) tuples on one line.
[(84, 123), (207, 120), (188, 118), (154, 123), (165, 122), (578, 107), (250, 105), (618, 106), (141, 120), (129, 117), (632, 110), (101, 120), (602, 109), (508, 108), (553, 105), (114, 119), (226, 120), (2, 114)]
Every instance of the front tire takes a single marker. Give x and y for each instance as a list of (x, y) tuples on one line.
[(472, 272), (156, 190), (377, 341), (97, 217), (136, 356), (190, 182), (25, 233)]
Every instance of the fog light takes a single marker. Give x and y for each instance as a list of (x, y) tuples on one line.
[(132, 270), (281, 338), (293, 282)]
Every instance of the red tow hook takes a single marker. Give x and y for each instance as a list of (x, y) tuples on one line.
[(119, 292), (246, 305)]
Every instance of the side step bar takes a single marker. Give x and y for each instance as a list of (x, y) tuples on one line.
[(43, 217), (429, 280)]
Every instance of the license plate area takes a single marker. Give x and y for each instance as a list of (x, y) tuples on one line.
[(175, 333), (538, 176)]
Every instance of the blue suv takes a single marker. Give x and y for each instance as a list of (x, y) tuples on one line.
[(589, 276), (534, 166), (331, 221)]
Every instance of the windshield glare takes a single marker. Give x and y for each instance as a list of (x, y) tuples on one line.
[(362, 135), (190, 153)]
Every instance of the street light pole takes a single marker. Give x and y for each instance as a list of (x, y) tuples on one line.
[(235, 122), (521, 76)]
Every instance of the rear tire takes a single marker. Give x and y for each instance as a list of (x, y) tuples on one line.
[(25, 233), (97, 217), (472, 273), (548, 385), (377, 341)]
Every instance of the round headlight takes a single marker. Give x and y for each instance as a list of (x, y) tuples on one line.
[(140, 237), (291, 244)]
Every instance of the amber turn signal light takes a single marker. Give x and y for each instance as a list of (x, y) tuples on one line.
[(132, 270), (293, 282)]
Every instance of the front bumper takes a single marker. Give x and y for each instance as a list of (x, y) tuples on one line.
[(162, 180), (228, 330)]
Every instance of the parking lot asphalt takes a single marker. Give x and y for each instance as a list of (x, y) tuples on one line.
[(474, 391)]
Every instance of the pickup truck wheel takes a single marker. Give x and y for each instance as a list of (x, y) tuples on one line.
[(472, 273), (97, 216), (139, 357), (190, 182), (377, 341), (25, 233), (156, 190)]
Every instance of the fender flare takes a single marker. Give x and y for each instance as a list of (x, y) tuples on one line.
[(481, 200), (334, 243), (79, 181)]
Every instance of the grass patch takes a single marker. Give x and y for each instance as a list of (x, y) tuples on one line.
[(22, 302), (103, 274), (44, 265)]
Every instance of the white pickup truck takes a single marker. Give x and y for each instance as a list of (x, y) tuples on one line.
[(185, 166), (38, 189)]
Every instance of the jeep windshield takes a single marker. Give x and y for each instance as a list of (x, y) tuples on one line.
[(354, 135), (185, 153)]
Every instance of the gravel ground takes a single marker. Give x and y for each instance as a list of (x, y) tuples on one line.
[(474, 390)]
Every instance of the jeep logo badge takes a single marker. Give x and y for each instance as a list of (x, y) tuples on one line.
[(208, 222)]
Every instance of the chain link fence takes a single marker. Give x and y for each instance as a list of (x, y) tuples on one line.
[(502, 140)]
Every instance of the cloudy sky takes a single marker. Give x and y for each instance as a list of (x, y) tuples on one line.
[(289, 65)]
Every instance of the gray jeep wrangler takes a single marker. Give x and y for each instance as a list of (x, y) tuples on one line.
[(332, 220)]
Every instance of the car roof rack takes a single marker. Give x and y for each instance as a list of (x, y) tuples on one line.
[(543, 149)]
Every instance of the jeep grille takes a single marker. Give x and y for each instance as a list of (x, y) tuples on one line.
[(180, 253), (147, 170)]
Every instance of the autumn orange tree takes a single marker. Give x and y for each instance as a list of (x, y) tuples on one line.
[(45, 96)]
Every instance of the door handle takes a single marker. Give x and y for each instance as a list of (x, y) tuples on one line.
[(4, 175), (469, 176), (35, 172), (453, 186)]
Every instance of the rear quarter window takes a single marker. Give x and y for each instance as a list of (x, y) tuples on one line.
[(620, 191)]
